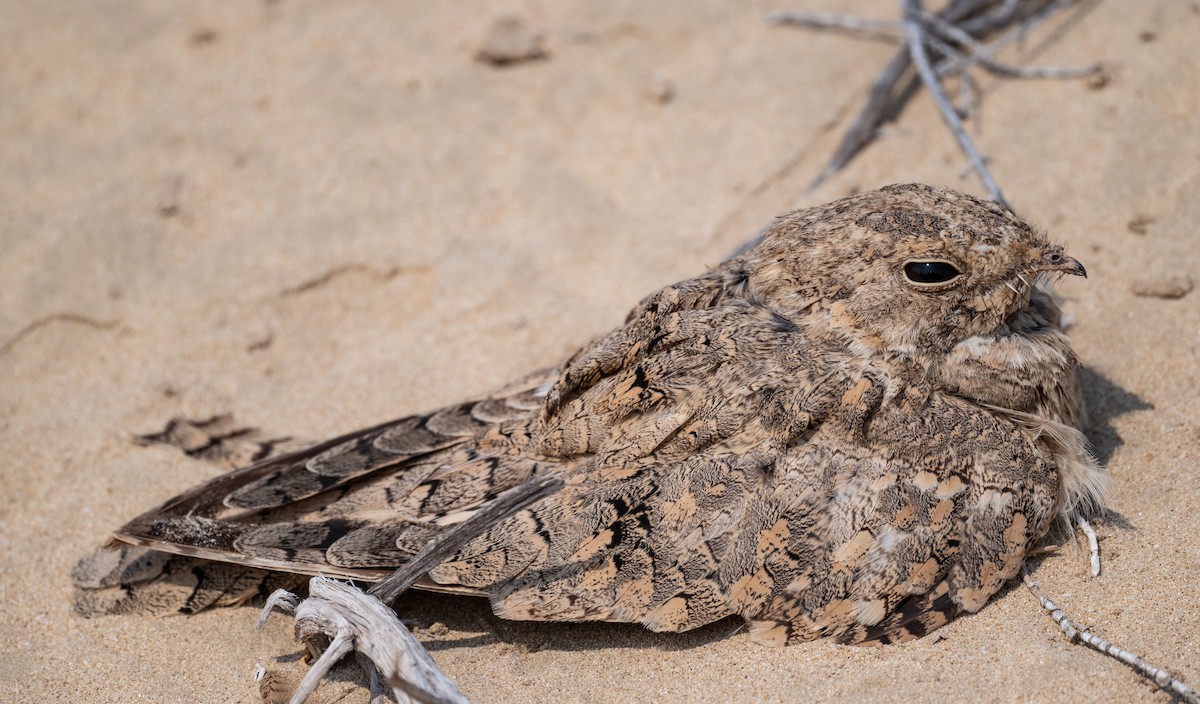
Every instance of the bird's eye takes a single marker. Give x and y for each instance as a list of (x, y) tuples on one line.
[(932, 272)]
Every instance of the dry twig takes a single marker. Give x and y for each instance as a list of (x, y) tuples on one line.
[(1093, 542), (360, 621), (918, 49), (982, 55), (885, 30), (964, 24), (1074, 631)]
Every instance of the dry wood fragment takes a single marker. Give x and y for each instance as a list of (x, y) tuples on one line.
[(360, 621), (510, 42)]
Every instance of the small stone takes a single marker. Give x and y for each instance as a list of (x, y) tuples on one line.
[(1099, 79), (1169, 287), (662, 88), (1139, 224), (510, 42), (203, 37), (436, 630)]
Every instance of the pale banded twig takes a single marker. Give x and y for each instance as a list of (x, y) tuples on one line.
[(1074, 631), (1093, 542)]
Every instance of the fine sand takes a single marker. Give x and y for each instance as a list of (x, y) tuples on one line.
[(318, 216)]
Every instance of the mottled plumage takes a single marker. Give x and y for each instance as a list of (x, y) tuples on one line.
[(857, 428)]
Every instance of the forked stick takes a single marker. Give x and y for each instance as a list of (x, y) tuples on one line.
[(886, 30), (964, 23), (360, 621), (918, 50)]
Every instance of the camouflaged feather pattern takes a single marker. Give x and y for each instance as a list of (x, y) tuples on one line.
[(803, 436)]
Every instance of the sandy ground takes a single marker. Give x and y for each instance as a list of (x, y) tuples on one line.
[(316, 216)]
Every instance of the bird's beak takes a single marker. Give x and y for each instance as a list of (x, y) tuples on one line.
[(1056, 260)]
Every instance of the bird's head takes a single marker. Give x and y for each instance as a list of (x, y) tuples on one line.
[(906, 270)]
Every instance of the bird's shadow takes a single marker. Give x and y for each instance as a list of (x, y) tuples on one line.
[(1105, 402), (471, 623)]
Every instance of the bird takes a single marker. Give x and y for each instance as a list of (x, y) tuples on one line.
[(857, 428)]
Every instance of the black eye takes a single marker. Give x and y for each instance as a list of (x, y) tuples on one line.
[(930, 272)]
